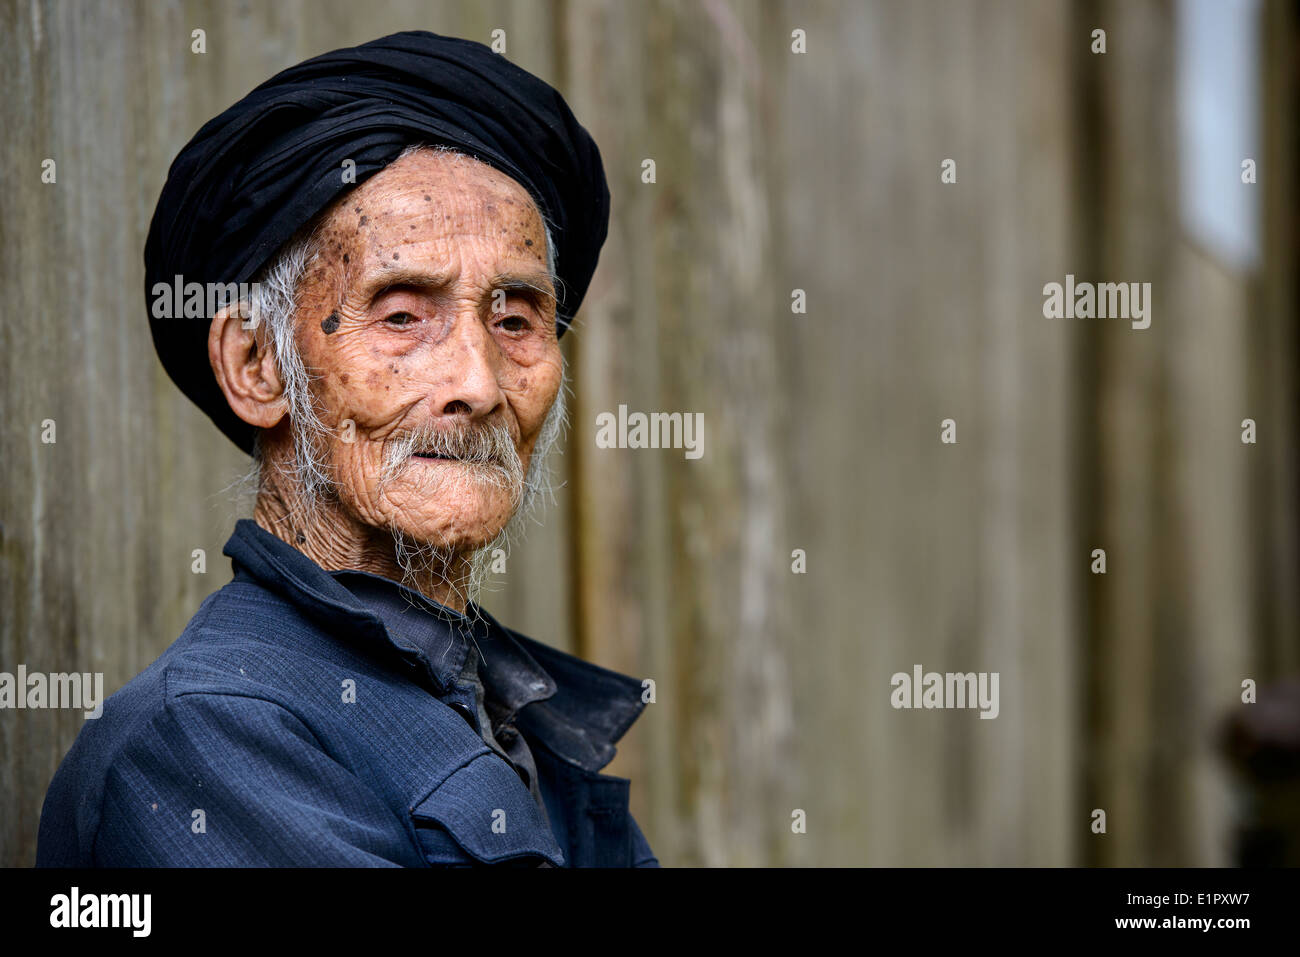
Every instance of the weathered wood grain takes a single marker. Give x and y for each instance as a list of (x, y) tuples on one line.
[(775, 171)]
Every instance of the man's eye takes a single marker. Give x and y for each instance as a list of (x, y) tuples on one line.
[(400, 319), (514, 324)]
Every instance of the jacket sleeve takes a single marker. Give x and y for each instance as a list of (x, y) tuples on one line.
[(220, 780), (642, 856)]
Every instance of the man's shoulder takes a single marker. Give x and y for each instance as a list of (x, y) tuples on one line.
[(240, 642), (244, 653), (243, 643), (251, 687), (247, 640)]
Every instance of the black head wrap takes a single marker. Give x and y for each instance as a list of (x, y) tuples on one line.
[(253, 176)]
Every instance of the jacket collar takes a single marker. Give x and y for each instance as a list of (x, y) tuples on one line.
[(576, 709), (446, 639)]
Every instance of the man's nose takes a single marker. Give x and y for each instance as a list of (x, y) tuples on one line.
[(472, 388)]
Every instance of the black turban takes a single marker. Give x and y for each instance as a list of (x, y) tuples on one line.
[(253, 176)]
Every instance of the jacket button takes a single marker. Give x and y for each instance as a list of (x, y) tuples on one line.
[(463, 710)]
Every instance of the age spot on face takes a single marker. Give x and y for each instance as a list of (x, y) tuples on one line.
[(330, 324)]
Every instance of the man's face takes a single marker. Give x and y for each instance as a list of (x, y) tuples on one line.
[(430, 310)]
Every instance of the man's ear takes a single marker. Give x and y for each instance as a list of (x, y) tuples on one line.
[(245, 368)]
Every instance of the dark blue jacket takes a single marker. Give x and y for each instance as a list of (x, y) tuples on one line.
[(237, 746)]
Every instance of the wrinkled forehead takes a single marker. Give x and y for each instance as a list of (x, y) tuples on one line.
[(428, 189), (426, 213)]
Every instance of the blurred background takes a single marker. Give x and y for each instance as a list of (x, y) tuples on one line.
[(776, 171)]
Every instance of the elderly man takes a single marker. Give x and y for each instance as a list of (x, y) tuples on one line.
[(419, 220)]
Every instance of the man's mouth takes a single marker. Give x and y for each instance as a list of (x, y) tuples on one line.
[(444, 457)]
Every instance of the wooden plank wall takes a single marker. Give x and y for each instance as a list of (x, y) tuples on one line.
[(774, 171)]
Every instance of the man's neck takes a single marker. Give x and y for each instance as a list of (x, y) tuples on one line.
[(336, 541)]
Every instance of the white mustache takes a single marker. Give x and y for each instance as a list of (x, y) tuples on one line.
[(488, 449)]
